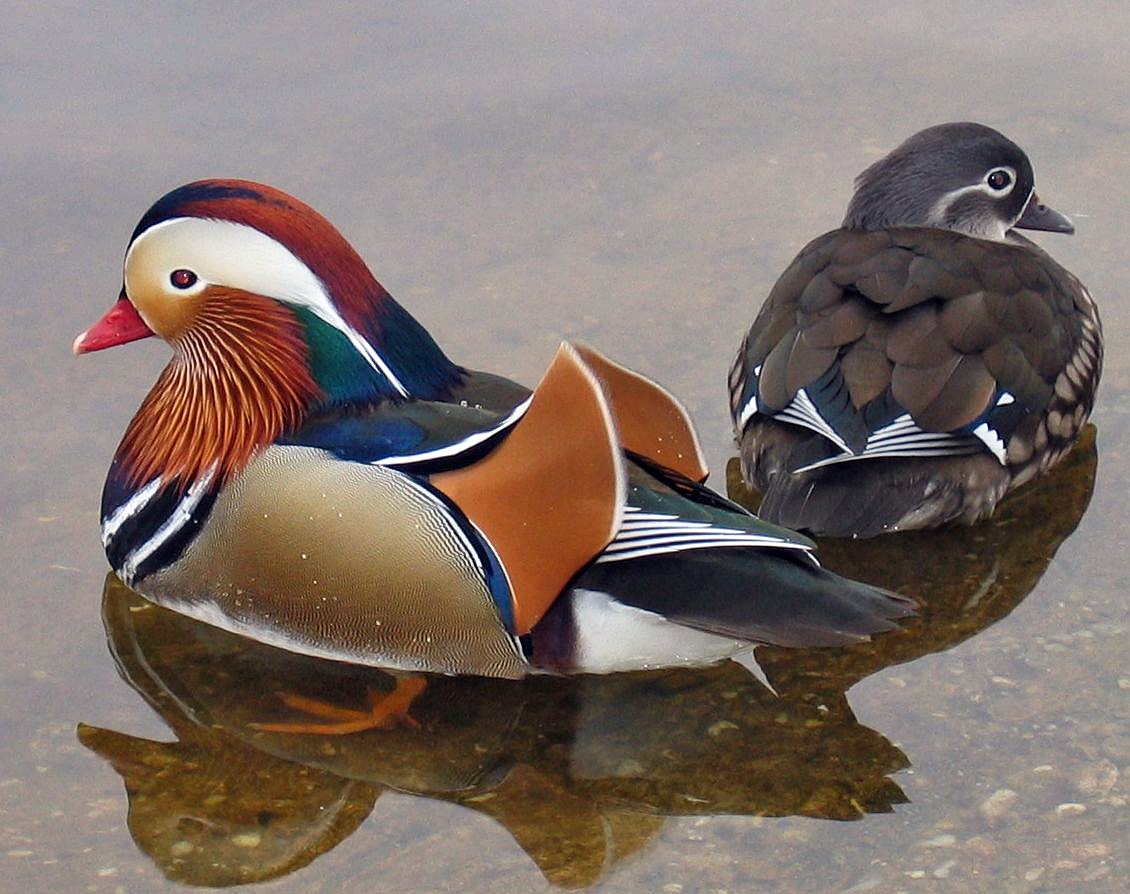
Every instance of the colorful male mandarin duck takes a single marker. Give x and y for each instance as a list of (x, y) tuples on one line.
[(313, 472), (915, 365)]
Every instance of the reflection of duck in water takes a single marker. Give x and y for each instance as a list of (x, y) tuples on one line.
[(313, 472), (580, 770), (966, 577), (915, 365)]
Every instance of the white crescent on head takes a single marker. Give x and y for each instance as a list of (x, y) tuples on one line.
[(225, 253)]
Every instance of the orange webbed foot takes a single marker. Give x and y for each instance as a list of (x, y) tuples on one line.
[(386, 710)]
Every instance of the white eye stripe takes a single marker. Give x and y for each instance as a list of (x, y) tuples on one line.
[(981, 186), (1004, 190), (986, 226), (222, 252)]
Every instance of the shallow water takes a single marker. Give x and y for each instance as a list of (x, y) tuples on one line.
[(635, 179)]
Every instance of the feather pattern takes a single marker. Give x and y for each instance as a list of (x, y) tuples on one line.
[(897, 339), (236, 382), (312, 471), (416, 363)]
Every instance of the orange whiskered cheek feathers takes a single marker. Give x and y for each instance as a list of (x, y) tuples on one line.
[(238, 380), (171, 318)]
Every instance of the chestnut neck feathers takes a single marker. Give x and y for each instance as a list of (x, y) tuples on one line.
[(238, 379), (280, 318)]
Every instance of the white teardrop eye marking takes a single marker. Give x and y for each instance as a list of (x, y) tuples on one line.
[(1000, 181), (228, 254)]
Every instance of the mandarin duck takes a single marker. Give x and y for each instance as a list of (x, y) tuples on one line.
[(913, 366), (312, 471)]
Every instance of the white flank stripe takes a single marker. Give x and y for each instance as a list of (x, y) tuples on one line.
[(954, 446), (636, 512), (925, 447), (176, 520), (901, 424), (899, 438), (678, 544), (903, 438), (747, 412), (750, 408), (635, 517), (710, 538), (128, 510), (654, 533), (802, 411), (658, 526), (992, 440), (673, 535), (799, 411), (609, 555), (458, 447), (914, 440)]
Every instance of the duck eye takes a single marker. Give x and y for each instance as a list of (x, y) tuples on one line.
[(182, 279), (999, 179)]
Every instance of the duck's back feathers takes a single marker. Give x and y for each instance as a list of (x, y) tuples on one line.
[(424, 436), (753, 582), (900, 493), (550, 497), (754, 597), (487, 391), (650, 422), (912, 344)]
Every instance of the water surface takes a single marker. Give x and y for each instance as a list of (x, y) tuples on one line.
[(631, 176)]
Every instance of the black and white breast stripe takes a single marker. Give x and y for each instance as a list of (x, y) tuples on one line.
[(654, 533), (127, 511), (151, 528)]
